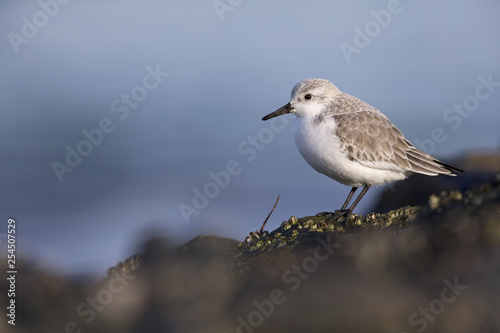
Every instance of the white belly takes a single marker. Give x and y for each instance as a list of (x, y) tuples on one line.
[(321, 148)]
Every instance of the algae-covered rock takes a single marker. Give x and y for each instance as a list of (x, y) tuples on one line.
[(480, 168), (433, 267)]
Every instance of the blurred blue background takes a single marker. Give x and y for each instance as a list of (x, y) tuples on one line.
[(67, 66)]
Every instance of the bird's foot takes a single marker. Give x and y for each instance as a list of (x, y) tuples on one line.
[(323, 214), (338, 214)]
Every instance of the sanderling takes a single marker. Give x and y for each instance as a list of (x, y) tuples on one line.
[(352, 142)]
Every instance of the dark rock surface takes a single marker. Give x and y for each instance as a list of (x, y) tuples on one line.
[(432, 268), (479, 168)]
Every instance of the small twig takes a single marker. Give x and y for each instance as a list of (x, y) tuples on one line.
[(268, 216)]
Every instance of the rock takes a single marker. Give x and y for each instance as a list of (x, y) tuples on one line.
[(479, 167), (432, 267), (380, 272)]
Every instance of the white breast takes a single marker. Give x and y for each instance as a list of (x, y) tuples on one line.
[(321, 148)]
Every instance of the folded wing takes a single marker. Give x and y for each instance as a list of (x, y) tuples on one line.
[(369, 138)]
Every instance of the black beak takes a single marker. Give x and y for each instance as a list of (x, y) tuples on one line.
[(282, 110)]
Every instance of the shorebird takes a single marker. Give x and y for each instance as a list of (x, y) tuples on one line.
[(352, 142)]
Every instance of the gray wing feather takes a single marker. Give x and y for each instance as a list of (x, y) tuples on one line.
[(369, 138)]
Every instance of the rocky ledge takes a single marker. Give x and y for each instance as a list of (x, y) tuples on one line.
[(430, 267), (442, 212), (433, 267)]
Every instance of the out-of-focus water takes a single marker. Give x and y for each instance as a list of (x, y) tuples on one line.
[(163, 100)]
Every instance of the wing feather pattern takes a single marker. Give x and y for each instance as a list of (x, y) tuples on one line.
[(369, 138)]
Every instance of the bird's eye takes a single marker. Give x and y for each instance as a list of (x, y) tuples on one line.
[(308, 96)]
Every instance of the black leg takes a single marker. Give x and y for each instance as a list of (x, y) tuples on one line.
[(355, 203), (347, 212), (341, 211), (349, 197)]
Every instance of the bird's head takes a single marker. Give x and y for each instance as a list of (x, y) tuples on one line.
[(308, 98)]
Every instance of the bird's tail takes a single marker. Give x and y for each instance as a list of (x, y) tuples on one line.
[(423, 163), (453, 170)]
